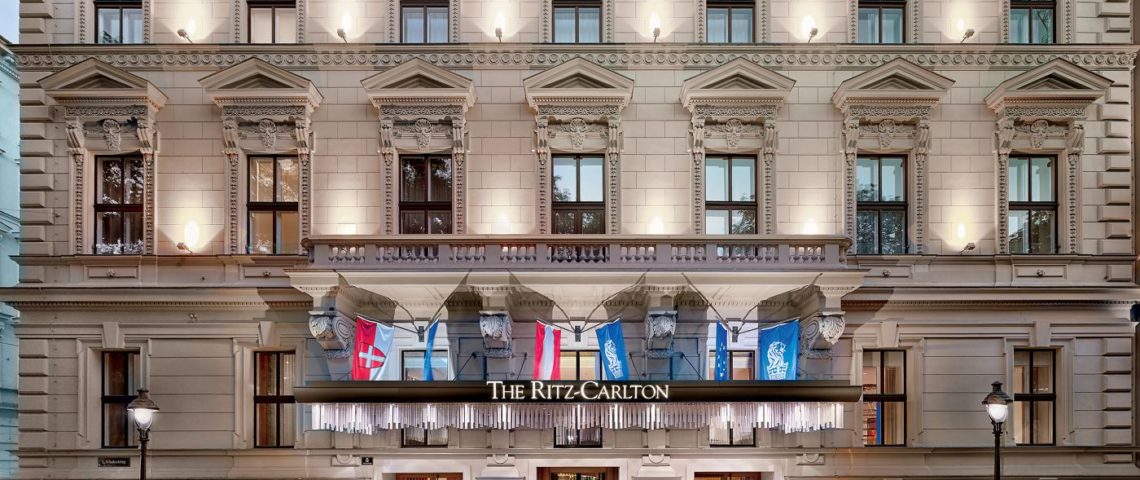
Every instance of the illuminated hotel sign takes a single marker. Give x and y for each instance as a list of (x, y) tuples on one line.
[(588, 391)]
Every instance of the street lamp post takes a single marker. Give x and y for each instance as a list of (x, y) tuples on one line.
[(142, 410), (997, 407)]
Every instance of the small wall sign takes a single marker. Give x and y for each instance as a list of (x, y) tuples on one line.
[(366, 460), (114, 461)]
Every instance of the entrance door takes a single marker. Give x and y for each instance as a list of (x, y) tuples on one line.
[(727, 476), (578, 473)]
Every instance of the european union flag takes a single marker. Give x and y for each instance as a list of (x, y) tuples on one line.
[(612, 350), (720, 369), (779, 351), (427, 351)]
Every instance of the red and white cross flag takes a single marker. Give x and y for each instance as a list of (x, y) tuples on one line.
[(371, 349), (547, 352)]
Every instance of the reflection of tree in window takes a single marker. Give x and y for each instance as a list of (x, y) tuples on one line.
[(880, 195), (119, 206), (425, 195), (1034, 396), (274, 224), (1032, 21), (1032, 205), (579, 200), (118, 21), (730, 195)]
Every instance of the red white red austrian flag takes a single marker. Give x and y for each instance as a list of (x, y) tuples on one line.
[(371, 350), (547, 352)]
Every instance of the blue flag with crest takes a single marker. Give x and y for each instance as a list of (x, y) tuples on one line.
[(428, 350), (779, 351), (720, 367), (611, 347)]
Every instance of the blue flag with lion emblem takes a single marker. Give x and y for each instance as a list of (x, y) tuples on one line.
[(779, 350), (611, 347)]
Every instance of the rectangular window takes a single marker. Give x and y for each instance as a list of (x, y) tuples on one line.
[(120, 386), (425, 195), (577, 21), (119, 205), (1032, 21), (118, 21), (424, 21), (1034, 396), (412, 362), (884, 397), (730, 21), (579, 204), (275, 408), (274, 223), (880, 219), (1032, 205), (272, 21), (579, 365), (882, 21), (741, 364), (730, 195)]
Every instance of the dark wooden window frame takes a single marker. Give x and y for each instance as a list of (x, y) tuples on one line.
[(731, 355), (881, 206), (274, 207), (577, 5), (424, 5), (269, 5), (731, 204), (1032, 5), (577, 443), (900, 398), (121, 207), (106, 399), (880, 5), (1031, 206), (427, 206), (1039, 397), (732, 5), (277, 400), (578, 207), (119, 5)]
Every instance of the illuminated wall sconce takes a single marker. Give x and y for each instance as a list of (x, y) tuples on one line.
[(810, 30), (500, 21), (343, 36), (190, 234), (655, 26), (345, 23), (186, 36), (185, 33), (960, 235), (966, 36)]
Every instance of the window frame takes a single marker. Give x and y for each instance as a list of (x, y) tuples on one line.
[(879, 5), (577, 5), (730, 5), (404, 431), (121, 208), (1032, 398), (273, 207), (731, 205), (883, 206), (105, 399), (577, 206), (577, 443), (428, 206), (277, 399), (731, 355), (1032, 5), (271, 5), (119, 5), (424, 5), (1031, 206), (900, 398)]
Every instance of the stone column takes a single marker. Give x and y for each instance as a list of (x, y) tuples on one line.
[(768, 166), (921, 153), (850, 152), (1074, 147), (233, 177), (302, 135), (78, 153), (459, 175), (542, 154), (613, 175), (388, 153), (697, 149), (1004, 139)]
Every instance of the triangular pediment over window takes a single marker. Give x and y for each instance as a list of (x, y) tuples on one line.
[(93, 80), (255, 81), (1055, 83), (578, 82), (419, 82), (737, 82), (897, 82)]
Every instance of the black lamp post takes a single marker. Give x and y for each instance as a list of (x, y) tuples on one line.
[(997, 407), (142, 410)]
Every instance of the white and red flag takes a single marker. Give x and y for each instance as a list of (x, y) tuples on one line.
[(547, 352), (371, 351)]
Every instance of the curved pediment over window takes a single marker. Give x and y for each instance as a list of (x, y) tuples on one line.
[(578, 82), (419, 83), (897, 83), (95, 81), (736, 83), (256, 82), (1058, 86)]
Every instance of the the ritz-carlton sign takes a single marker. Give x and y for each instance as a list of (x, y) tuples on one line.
[(576, 391)]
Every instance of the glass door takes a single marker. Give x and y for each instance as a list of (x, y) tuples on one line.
[(578, 473)]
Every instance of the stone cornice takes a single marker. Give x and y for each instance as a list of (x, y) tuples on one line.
[(29, 298), (797, 56)]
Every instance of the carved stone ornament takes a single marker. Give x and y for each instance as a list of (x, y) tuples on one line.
[(820, 333), (496, 330), (887, 130), (1039, 131), (422, 131), (660, 326), (112, 134), (267, 130), (333, 331)]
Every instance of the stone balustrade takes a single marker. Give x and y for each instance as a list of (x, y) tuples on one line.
[(587, 252)]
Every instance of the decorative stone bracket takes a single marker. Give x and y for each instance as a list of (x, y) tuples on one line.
[(496, 329), (660, 326), (820, 333), (334, 332)]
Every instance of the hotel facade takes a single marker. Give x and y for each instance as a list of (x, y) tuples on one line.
[(212, 193)]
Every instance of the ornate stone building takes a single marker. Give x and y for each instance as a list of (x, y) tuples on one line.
[(9, 247), (213, 192)]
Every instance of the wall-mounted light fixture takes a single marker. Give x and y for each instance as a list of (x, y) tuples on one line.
[(500, 21), (655, 26), (341, 33), (814, 31), (966, 36), (808, 28), (190, 234), (186, 36)]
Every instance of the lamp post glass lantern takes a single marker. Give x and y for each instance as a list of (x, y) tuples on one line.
[(142, 410), (997, 407)]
